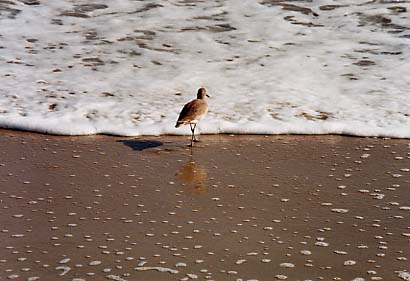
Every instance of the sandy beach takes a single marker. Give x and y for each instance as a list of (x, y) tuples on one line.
[(231, 208)]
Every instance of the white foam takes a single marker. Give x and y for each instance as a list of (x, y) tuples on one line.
[(287, 264), (349, 262), (115, 277), (404, 275), (157, 268), (65, 260), (65, 269), (265, 76), (306, 252)]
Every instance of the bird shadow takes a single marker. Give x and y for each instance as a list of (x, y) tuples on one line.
[(141, 145)]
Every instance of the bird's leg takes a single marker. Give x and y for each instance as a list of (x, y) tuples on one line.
[(193, 132), (192, 135)]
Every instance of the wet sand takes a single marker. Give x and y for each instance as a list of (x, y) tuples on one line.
[(232, 208)]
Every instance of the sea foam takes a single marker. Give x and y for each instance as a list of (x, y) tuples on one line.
[(305, 67)]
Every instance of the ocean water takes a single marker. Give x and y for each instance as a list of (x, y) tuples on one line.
[(127, 67)]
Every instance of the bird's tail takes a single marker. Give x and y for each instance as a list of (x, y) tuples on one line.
[(178, 124)]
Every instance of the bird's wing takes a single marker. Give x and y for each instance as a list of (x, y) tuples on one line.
[(189, 111)]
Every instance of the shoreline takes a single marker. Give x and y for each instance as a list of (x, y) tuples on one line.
[(7, 130), (247, 207)]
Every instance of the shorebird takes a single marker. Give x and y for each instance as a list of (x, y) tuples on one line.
[(192, 112)]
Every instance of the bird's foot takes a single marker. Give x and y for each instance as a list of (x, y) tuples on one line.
[(196, 140)]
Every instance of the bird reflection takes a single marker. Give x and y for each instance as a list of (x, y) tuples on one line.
[(193, 175)]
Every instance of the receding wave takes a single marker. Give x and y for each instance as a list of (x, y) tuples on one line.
[(271, 67)]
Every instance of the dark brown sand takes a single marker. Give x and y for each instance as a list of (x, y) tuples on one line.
[(231, 208)]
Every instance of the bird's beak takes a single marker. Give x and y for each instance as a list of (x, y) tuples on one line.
[(208, 95)]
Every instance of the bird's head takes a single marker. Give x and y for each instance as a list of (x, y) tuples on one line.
[(201, 94)]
